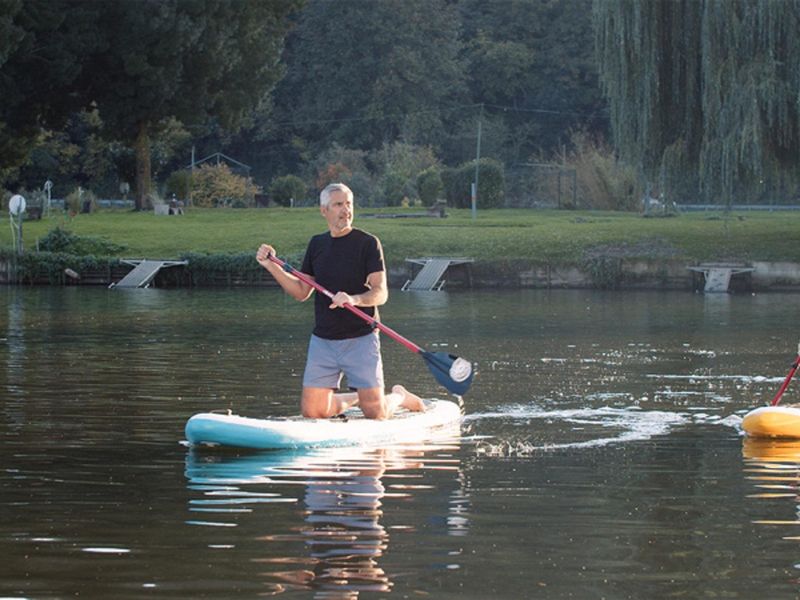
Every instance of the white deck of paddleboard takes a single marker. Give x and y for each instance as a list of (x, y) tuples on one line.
[(297, 432)]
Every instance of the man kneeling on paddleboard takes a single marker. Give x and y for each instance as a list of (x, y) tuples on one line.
[(349, 260)]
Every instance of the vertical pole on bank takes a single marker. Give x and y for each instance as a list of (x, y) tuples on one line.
[(477, 167), (474, 196)]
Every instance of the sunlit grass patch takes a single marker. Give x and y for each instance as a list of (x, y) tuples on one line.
[(538, 236)]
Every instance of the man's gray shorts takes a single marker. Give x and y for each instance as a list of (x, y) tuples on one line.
[(359, 359)]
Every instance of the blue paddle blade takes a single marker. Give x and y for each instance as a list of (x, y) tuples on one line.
[(452, 372)]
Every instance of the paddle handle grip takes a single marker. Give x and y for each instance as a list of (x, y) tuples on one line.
[(353, 309)]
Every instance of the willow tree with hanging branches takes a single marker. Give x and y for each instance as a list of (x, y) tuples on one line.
[(705, 94)]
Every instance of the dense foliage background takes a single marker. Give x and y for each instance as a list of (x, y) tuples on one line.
[(573, 103)]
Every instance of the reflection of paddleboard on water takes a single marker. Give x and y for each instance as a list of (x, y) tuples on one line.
[(219, 429), (771, 450), (209, 465), (334, 540), (222, 476)]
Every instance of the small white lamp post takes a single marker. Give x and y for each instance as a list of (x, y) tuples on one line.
[(16, 207), (48, 187)]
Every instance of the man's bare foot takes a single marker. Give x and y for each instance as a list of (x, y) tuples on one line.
[(410, 401)]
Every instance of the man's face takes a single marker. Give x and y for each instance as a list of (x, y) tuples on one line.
[(338, 214)]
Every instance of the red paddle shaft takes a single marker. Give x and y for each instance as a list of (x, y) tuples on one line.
[(356, 311), (786, 381)]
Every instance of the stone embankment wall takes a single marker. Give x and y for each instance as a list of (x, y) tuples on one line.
[(663, 274), (775, 275), (657, 274)]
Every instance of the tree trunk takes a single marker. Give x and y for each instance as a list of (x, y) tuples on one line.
[(142, 200)]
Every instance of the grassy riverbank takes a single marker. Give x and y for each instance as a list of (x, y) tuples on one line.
[(538, 237)]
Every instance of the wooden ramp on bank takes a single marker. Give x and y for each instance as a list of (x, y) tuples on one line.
[(430, 276), (143, 272)]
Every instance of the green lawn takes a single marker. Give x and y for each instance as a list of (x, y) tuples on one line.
[(532, 235)]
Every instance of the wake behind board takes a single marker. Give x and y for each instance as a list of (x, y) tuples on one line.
[(219, 429), (773, 422)]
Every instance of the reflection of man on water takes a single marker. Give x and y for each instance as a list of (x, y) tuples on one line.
[(345, 536), (341, 532)]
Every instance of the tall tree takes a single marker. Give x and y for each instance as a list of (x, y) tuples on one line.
[(532, 65), (192, 60), (364, 73), (704, 93), (41, 45)]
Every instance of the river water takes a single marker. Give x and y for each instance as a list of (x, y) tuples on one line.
[(600, 455)]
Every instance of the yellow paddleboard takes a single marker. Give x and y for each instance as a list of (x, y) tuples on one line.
[(773, 422)]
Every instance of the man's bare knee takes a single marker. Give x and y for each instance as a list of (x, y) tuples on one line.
[(373, 403), (316, 403)]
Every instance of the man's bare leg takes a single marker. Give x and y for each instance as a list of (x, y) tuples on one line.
[(374, 404), (322, 403)]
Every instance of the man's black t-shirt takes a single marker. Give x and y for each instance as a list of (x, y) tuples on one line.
[(342, 264)]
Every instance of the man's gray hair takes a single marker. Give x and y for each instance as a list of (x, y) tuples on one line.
[(325, 195)]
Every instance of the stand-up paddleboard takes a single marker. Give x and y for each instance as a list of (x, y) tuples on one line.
[(773, 422), (218, 429)]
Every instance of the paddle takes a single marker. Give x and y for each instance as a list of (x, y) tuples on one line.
[(452, 372), (786, 381)]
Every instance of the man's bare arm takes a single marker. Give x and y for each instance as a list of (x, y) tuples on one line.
[(376, 295), (297, 289)]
